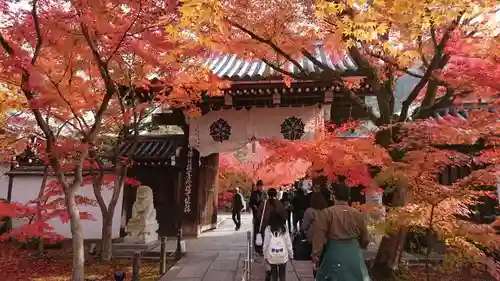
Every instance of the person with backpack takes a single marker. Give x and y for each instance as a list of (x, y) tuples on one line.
[(238, 205), (277, 248), (270, 206)]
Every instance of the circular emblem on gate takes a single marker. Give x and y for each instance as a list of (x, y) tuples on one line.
[(220, 130), (292, 128)]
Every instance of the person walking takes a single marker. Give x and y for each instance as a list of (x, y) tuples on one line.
[(318, 203), (238, 205), (299, 205), (277, 248), (287, 202), (270, 206), (303, 246), (339, 233), (256, 199)]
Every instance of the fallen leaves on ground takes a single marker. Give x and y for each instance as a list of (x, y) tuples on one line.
[(418, 273), (55, 265)]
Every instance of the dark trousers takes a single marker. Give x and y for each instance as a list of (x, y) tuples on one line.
[(297, 220), (278, 272), (289, 221), (237, 219)]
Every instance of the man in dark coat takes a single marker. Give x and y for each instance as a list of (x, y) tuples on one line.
[(300, 202), (256, 199), (238, 205)]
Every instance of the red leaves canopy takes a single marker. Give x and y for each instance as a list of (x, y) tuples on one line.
[(251, 163)]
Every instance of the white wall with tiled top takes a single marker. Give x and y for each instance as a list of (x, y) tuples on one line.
[(26, 188)]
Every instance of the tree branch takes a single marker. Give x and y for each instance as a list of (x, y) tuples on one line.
[(280, 70), (38, 32), (319, 64), (77, 117), (269, 43), (5, 45), (110, 87), (395, 64), (436, 63), (124, 35), (420, 50), (49, 134), (433, 37), (357, 100), (97, 181)]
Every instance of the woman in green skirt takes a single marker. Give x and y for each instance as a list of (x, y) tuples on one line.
[(339, 234)]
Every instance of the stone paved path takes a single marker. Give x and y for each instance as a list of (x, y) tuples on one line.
[(214, 256), (219, 255)]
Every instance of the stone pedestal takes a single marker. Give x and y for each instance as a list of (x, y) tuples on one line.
[(127, 249), (141, 238)]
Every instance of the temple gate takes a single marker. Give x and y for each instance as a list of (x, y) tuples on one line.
[(257, 105)]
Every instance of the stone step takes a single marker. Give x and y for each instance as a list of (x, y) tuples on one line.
[(122, 249), (147, 255), (130, 253), (138, 246)]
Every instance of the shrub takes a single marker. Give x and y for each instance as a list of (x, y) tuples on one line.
[(32, 243)]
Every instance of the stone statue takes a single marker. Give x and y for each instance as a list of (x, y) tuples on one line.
[(142, 227)]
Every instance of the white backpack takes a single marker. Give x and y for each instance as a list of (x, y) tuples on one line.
[(277, 252)]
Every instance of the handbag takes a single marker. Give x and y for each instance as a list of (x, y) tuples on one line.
[(258, 241), (301, 247)]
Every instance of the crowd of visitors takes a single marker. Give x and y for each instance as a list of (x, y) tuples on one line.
[(303, 222)]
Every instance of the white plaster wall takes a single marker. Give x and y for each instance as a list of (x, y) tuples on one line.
[(26, 188), (4, 181)]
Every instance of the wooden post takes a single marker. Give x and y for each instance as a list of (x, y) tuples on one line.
[(163, 256), (180, 210), (136, 267), (9, 193), (11, 182)]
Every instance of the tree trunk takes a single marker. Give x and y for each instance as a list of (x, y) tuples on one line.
[(107, 223), (389, 254), (39, 217), (391, 248), (106, 238), (78, 273)]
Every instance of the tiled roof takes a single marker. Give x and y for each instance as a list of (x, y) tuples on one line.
[(462, 112), (151, 148), (231, 67)]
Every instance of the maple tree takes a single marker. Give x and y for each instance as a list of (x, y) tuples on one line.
[(426, 149), (251, 163), (48, 205), (69, 62), (473, 67), (443, 207), (338, 159), (227, 181), (113, 175), (381, 38)]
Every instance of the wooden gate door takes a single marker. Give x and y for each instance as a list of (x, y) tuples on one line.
[(208, 191)]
